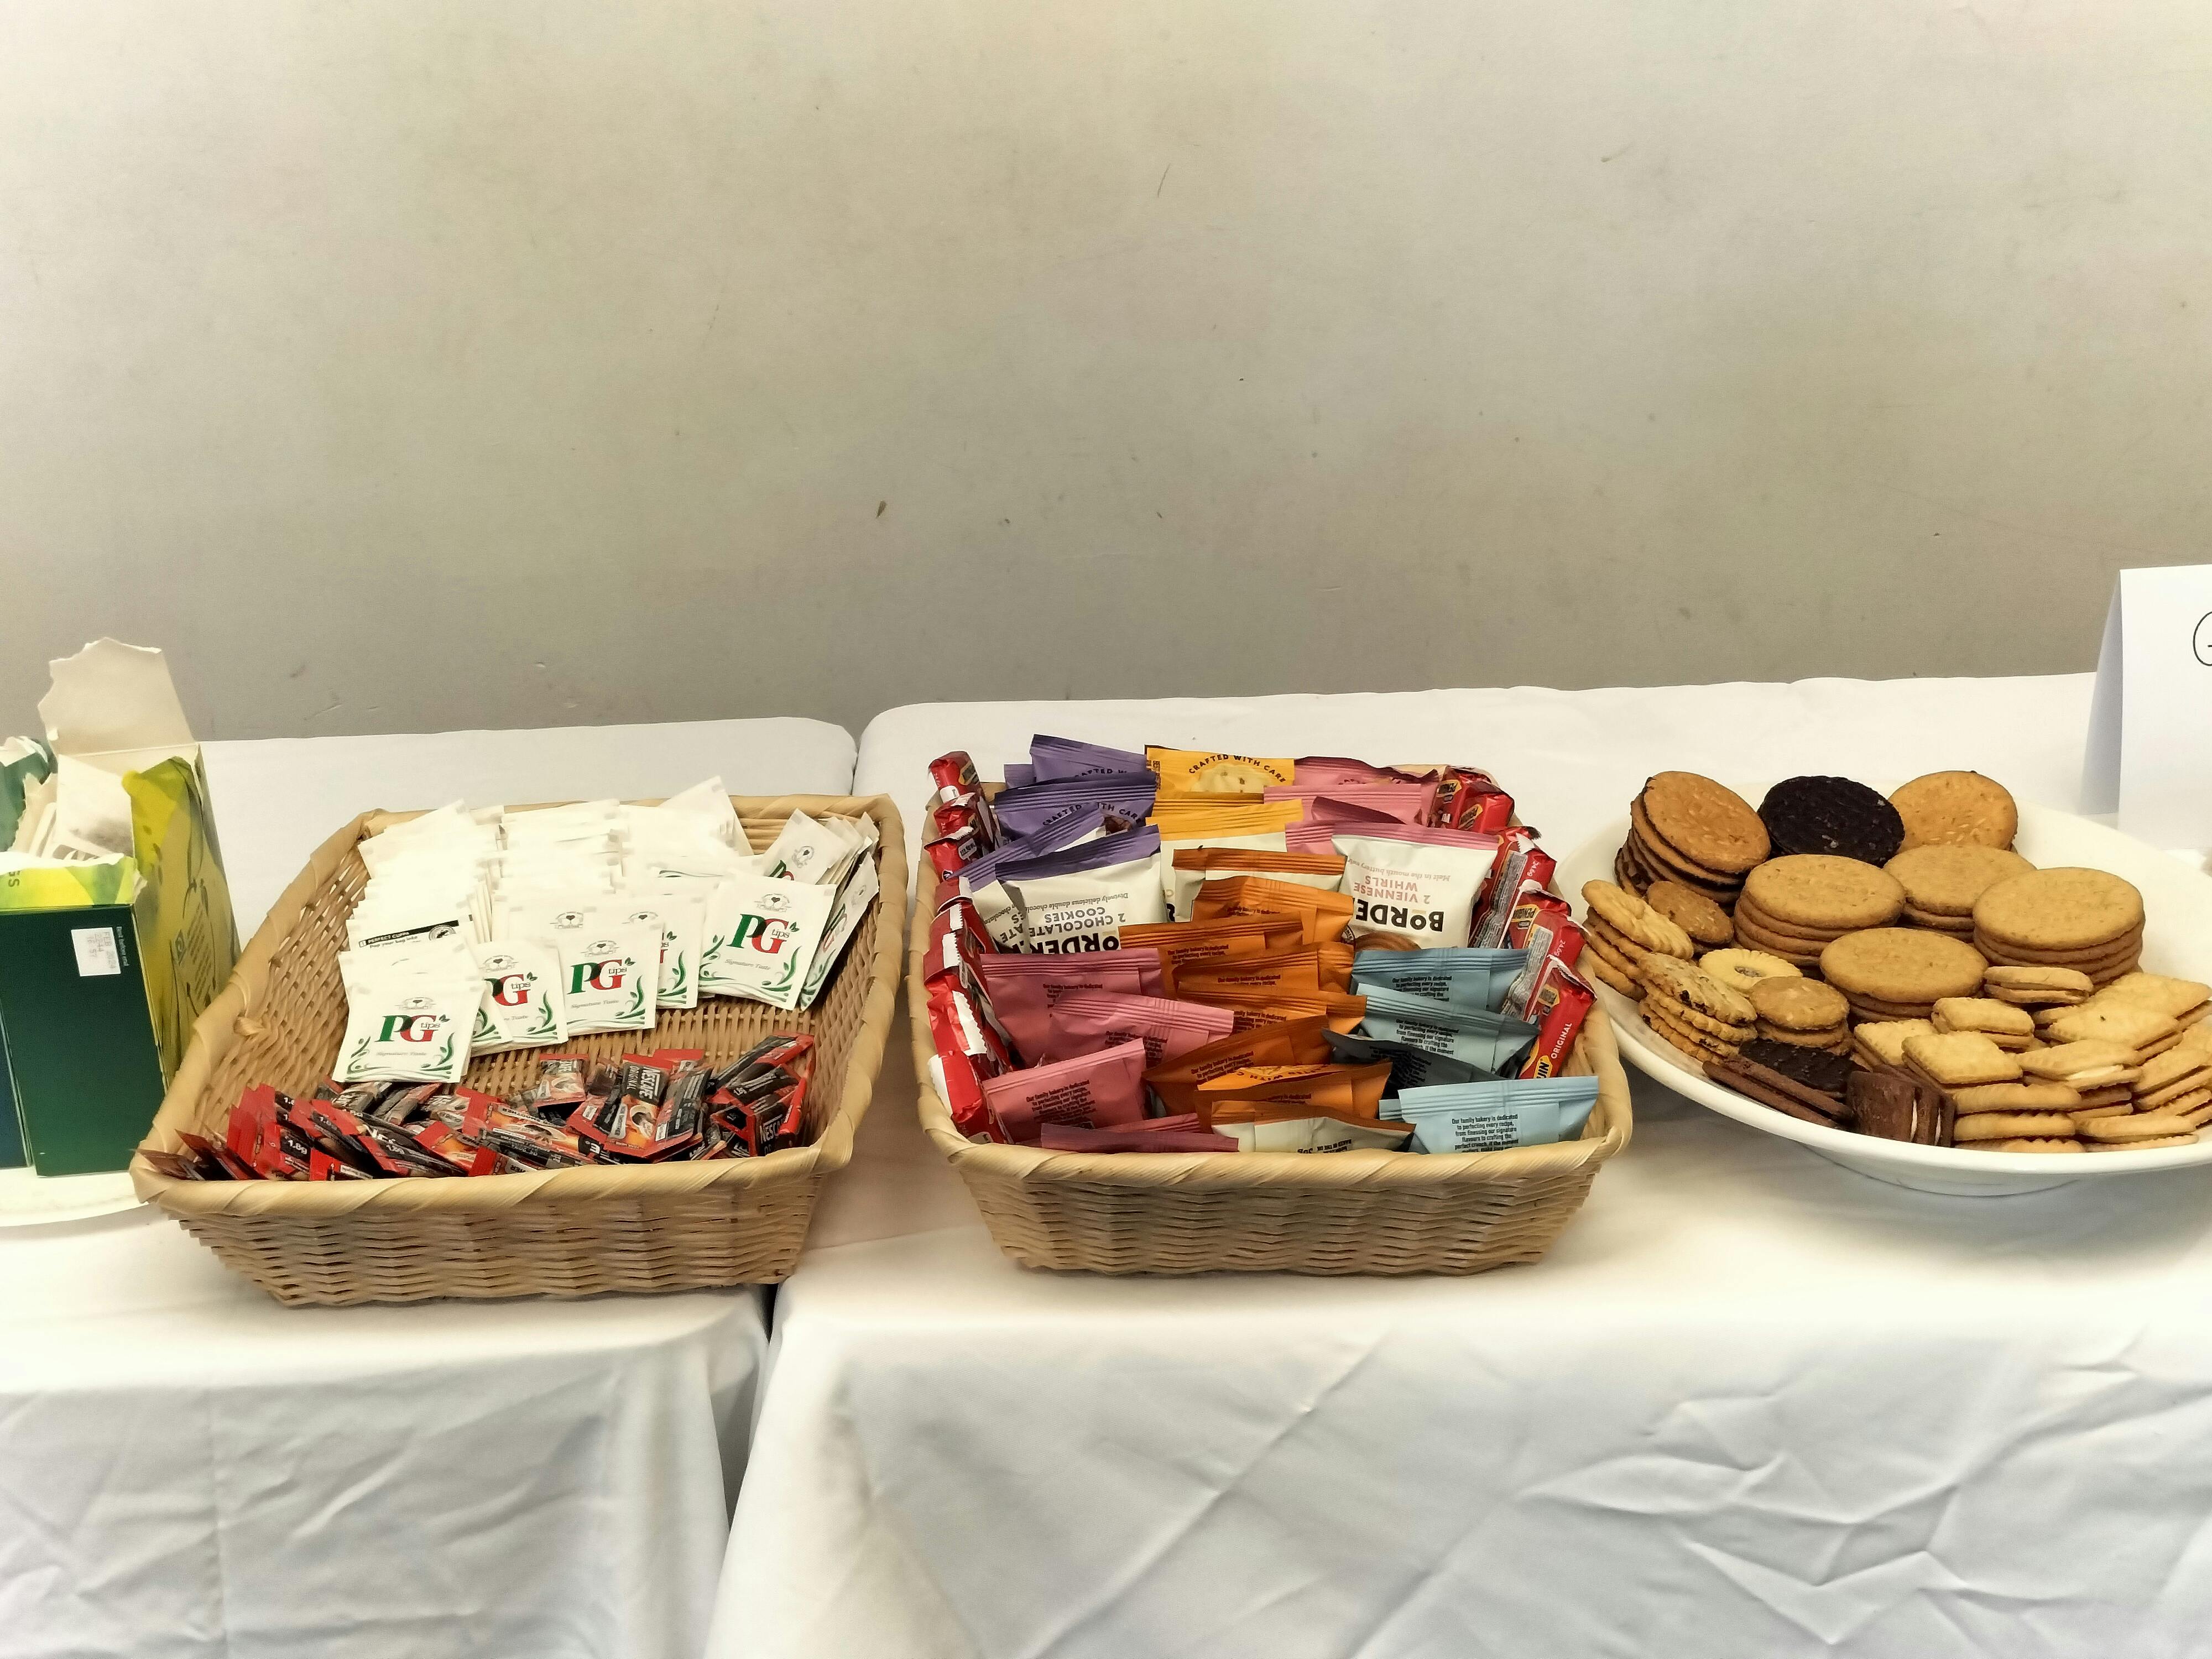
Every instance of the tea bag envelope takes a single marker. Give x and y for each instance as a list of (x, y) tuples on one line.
[(97, 1000)]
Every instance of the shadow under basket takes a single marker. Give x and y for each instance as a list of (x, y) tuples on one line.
[(1338, 1213), (565, 1233)]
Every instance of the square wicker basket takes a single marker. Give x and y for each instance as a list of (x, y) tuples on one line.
[(565, 1233), (1346, 1213)]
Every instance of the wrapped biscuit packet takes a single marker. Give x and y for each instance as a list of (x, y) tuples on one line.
[(1093, 1092), (1026, 811), (1355, 1089), (1068, 832), (1080, 899), (1181, 943), (1209, 772), (1256, 1127), (1053, 758), (1402, 884), (1462, 978), (1325, 915), (1083, 1022), (1065, 1137), (1487, 1117), (1311, 968), (1294, 1042), (1022, 988), (1336, 1010), (1202, 822), (1489, 1041), (1191, 867), (1410, 1068), (1404, 803)]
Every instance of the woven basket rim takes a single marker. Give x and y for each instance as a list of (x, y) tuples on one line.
[(219, 1027), (1611, 1125)]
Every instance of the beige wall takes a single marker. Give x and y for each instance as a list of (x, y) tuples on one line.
[(405, 365)]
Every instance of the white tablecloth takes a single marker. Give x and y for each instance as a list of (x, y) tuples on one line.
[(188, 1469), (1752, 1404)]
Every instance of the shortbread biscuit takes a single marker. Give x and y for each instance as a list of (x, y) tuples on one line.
[(1945, 881), (2082, 1057), (1956, 809), (2128, 1023), (2064, 909), (2016, 1097), (1749, 916), (1686, 983), (2176, 1069), (2150, 1146), (1740, 970), (1660, 859), (1696, 1044), (2038, 985), (1798, 955), (2172, 997), (1886, 1039), (1798, 1004), (2026, 1145), (1973, 1014), (1704, 921), (1959, 1058), (2009, 1126), (1705, 1024), (1833, 1036), (1821, 893), (1610, 976), (2137, 1126), (1902, 964), (1635, 920), (1627, 949), (1707, 823)]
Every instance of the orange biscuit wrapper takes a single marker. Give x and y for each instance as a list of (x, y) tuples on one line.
[(1327, 915), (1312, 968), (1198, 821), (1289, 1043), (1209, 772), (1254, 1008), (1189, 943), (1260, 863), (1356, 1089)]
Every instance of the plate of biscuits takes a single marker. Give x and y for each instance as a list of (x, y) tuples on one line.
[(1935, 985)]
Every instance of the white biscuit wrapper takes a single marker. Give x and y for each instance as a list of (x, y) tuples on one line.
[(852, 907), (1426, 893), (1087, 911)]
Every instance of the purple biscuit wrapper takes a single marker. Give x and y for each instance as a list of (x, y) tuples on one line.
[(1142, 843), (1019, 776), (1025, 811), (1069, 757), (980, 872)]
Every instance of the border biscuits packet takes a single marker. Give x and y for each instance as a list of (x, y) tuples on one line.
[(1210, 772), (1402, 882), (1312, 967), (1337, 1010), (1354, 1089), (1325, 915), (1083, 1022), (1256, 1127), (1462, 978), (1053, 758), (1190, 868), (1488, 1117), (1098, 1090), (1188, 944), (1022, 989), (1294, 1042), (1080, 899), (1492, 1041)]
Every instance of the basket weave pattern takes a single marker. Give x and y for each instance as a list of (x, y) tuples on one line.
[(564, 1233), (1345, 1212)]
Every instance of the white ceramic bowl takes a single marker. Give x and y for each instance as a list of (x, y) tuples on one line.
[(2176, 939)]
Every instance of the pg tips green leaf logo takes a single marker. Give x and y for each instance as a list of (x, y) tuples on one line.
[(769, 931), (601, 967), (509, 981)]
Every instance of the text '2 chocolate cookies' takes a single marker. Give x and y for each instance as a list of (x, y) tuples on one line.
[(1836, 816)]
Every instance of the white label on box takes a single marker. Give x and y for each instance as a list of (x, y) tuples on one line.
[(97, 953), (2150, 722)]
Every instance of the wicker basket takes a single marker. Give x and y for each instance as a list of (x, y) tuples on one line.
[(566, 1233), (1346, 1212)]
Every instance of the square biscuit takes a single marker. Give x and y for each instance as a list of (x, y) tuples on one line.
[(2069, 1059), (2127, 1023), (1884, 1038), (2172, 997), (1960, 1060), (1986, 1014)]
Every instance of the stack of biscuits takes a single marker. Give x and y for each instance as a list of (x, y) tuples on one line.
[(1942, 883), (1702, 1019), (2089, 920), (1901, 973), (1806, 1083), (1790, 1008), (1795, 905), (1691, 831), (1620, 930)]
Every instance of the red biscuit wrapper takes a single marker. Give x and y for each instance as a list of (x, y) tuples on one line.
[(1470, 799), (1560, 1005), (966, 1055), (955, 771), (947, 855), (1518, 859), (1531, 910)]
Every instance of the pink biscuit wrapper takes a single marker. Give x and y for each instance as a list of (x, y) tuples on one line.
[(1022, 987), (1061, 1137), (1083, 1022), (1406, 802), (1103, 1091)]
